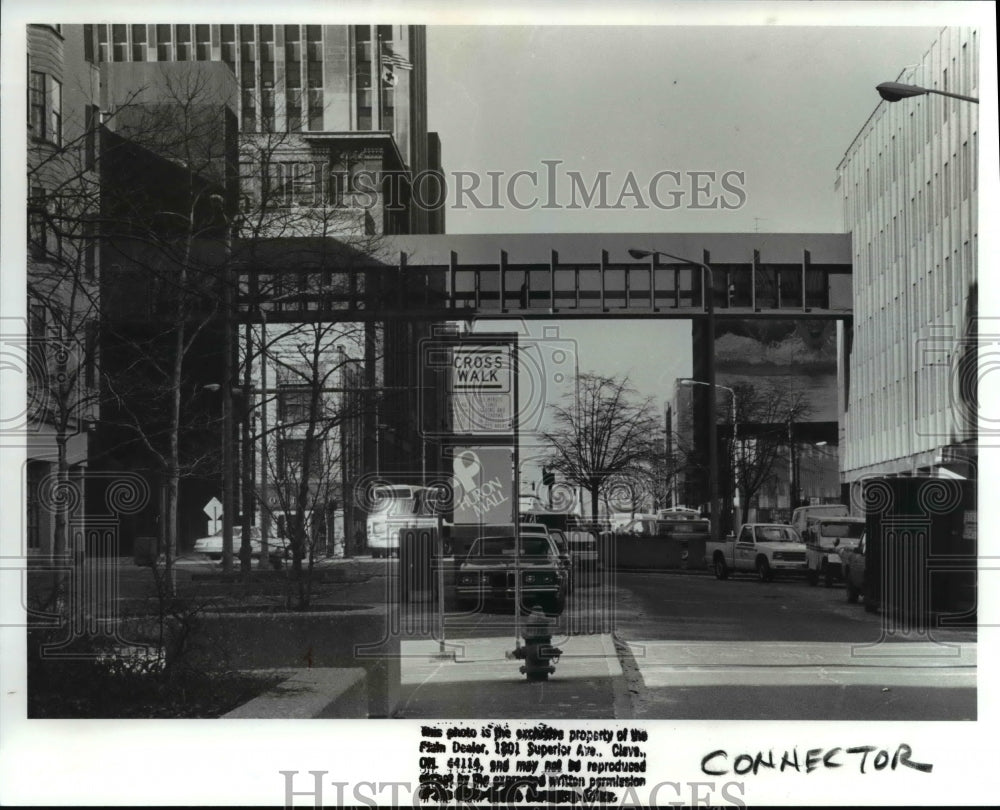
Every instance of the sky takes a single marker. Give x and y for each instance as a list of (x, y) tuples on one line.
[(778, 105)]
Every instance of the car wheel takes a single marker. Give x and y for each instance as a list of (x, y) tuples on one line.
[(852, 592), (812, 577), (719, 564), (763, 570)]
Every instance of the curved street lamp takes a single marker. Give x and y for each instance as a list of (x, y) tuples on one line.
[(894, 91), (713, 439)]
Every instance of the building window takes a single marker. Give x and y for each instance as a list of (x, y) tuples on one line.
[(164, 45), (228, 45), (247, 63), (267, 109), (36, 103), (294, 404), (296, 184), (138, 43), (315, 110), (53, 97), (248, 111), (203, 42), (290, 458), (265, 35), (183, 43), (119, 39), (363, 75), (314, 56), (293, 110), (88, 43), (103, 48)]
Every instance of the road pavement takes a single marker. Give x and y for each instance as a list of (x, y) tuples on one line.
[(652, 645)]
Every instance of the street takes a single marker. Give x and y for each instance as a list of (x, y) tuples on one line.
[(693, 647), (685, 646)]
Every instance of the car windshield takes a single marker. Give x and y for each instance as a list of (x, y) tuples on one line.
[(842, 529), (504, 547), (775, 534)]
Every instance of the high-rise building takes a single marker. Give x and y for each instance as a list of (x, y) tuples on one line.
[(908, 182), (343, 98)]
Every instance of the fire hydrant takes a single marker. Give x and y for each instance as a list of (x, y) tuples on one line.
[(537, 650)]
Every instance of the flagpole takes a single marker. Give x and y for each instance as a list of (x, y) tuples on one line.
[(378, 75)]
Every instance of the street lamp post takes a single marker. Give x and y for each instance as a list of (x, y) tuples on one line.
[(713, 439), (732, 449), (894, 91)]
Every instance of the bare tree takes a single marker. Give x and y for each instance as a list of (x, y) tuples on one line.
[(63, 300), (764, 413), (601, 435), (166, 260)]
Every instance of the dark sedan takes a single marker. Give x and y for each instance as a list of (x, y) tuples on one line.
[(488, 573)]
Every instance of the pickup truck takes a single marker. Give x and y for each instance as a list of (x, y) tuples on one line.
[(764, 548)]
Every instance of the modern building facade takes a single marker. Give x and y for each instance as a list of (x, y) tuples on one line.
[(909, 188)]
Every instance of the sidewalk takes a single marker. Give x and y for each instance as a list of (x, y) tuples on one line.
[(481, 683)]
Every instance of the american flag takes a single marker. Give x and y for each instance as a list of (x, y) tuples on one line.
[(394, 59)]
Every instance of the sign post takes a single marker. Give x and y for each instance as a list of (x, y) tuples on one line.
[(481, 433), (214, 511)]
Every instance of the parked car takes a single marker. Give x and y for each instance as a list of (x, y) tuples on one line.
[(852, 561), (212, 545), (488, 573), (645, 527), (562, 545)]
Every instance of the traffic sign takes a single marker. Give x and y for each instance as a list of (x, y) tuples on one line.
[(214, 511)]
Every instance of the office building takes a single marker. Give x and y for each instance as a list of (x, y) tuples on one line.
[(321, 102), (908, 183)]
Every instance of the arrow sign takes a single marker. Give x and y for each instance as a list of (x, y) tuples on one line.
[(214, 511)]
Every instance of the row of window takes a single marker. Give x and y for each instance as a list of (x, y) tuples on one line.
[(929, 297), (301, 111), (311, 184)]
